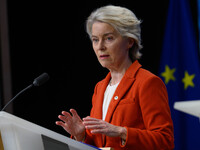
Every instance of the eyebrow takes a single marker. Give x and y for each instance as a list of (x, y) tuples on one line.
[(106, 34)]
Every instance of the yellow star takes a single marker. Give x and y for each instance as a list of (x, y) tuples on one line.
[(168, 74), (187, 80)]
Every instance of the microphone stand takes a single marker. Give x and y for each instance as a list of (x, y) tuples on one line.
[(37, 82), (28, 87)]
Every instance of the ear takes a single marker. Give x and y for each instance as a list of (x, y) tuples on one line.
[(131, 41)]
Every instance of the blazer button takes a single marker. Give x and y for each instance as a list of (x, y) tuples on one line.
[(116, 98)]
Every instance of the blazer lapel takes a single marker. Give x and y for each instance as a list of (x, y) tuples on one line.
[(99, 100), (118, 95), (122, 88)]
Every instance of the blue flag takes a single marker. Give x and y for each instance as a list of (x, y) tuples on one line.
[(180, 71), (198, 10)]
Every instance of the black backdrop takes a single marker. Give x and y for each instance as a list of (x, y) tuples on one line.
[(49, 36)]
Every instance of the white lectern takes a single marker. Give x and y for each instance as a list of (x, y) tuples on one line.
[(19, 134), (189, 107)]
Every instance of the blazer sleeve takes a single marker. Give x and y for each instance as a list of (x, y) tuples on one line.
[(158, 135)]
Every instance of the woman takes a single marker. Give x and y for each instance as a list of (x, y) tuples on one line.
[(130, 106)]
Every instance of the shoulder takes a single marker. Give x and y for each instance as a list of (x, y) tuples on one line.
[(99, 85), (143, 73), (144, 77), (102, 83)]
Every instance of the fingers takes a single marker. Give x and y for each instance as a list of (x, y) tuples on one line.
[(60, 123), (71, 122), (94, 124), (98, 126), (63, 118), (92, 127), (92, 121), (99, 131), (66, 114), (65, 123), (74, 113), (67, 118)]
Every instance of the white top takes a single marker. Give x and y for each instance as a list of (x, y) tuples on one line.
[(110, 90)]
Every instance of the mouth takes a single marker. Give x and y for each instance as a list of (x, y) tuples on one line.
[(104, 56)]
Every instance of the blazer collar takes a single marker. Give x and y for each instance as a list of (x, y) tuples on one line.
[(126, 82), (130, 72), (124, 85)]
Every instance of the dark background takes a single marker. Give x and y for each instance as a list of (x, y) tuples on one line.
[(50, 36)]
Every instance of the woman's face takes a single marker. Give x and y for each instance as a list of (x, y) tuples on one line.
[(110, 47)]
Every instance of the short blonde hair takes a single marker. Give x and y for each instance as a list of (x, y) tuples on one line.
[(123, 20)]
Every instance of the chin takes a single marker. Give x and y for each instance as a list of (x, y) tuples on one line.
[(103, 65), (106, 66)]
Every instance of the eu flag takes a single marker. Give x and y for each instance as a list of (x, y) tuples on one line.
[(180, 70)]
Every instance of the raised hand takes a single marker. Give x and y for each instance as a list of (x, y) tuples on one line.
[(103, 127), (72, 124)]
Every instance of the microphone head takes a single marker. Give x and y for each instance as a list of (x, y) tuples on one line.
[(41, 79)]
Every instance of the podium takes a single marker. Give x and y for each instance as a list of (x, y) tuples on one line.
[(19, 134), (189, 107)]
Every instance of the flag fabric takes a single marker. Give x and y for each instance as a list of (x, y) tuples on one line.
[(180, 71), (198, 15)]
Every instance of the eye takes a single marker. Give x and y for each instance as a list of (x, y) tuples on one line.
[(109, 38), (95, 40)]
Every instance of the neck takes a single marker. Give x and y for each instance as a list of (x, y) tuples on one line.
[(118, 73)]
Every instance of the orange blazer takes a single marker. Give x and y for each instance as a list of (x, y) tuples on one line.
[(140, 103)]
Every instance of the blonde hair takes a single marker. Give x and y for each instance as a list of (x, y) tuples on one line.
[(123, 20)]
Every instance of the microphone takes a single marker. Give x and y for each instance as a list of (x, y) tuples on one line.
[(40, 80)]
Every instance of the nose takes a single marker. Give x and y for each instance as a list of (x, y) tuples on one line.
[(101, 45)]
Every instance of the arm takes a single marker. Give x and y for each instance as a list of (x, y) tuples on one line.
[(158, 133)]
